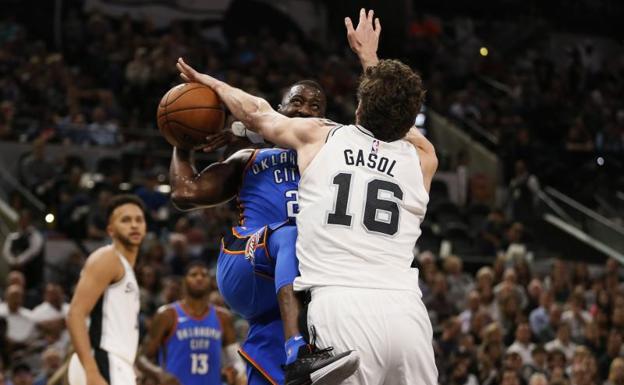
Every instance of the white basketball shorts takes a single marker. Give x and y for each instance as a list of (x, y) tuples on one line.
[(390, 330), (115, 370)]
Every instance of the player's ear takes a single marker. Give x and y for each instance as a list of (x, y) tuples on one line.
[(109, 229)]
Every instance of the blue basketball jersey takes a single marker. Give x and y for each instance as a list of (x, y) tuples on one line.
[(268, 193), (193, 351)]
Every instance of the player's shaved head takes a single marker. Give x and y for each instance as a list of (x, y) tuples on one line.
[(304, 99)]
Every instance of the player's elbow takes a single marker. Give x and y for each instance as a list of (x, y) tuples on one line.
[(193, 197), (183, 200), (433, 160), (74, 315)]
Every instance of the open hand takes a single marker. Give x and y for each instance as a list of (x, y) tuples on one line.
[(189, 74), (364, 39)]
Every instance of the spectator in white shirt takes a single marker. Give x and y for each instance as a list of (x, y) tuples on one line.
[(562, 342), (50, 316), (522, 345), (576, 316), (21, 326)]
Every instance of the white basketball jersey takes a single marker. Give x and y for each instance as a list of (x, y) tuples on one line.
[(115, 318), (361, 202)]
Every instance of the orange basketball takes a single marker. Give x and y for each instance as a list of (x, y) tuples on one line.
[(188, 113)]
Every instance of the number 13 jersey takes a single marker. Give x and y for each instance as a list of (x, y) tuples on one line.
[(361, 203), (192, 351)]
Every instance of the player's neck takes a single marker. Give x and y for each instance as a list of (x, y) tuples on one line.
[(197, 307), (129, 252)]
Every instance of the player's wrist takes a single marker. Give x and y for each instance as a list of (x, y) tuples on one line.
[(368, 60), (91, 370)]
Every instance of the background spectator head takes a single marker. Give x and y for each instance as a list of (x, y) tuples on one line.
[(54, 294), (14, 297), (22, 374), (16, 277)]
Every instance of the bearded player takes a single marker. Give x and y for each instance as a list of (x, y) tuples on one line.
[(187, 338)]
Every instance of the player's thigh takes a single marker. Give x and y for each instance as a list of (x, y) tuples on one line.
[(345, 321), (245, 286), (254, 377), (411, 360)]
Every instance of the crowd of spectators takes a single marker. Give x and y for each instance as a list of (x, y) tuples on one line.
[(503, 324)]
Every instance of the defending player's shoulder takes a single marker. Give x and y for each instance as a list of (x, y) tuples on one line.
[(104, 262), (320, 128)]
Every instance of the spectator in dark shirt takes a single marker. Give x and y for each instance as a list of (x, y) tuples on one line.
[(24, 249)]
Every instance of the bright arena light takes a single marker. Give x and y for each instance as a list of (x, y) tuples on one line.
[(483, 51), (49, 218), (600, 161)]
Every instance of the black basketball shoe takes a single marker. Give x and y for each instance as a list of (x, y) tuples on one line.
[(315, 366)]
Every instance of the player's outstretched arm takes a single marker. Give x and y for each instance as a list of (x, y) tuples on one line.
[(426, 153), (102, 268), (258, 115), (364, 39), (161, 326), (214, 185), (230, 346)]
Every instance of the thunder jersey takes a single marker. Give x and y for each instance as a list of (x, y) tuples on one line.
[(114, 323), (192, 352), (268, 193), (361, 202)]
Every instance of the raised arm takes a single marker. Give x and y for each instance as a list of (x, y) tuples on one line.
[(426, 153), (364, 39), (161, 327), (258, 115), (214, 185)]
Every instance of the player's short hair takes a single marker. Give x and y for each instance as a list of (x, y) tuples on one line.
[(120, 200), (309, 83), (390, 96), (195, 263)]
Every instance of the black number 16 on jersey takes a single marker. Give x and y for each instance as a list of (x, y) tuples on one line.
[(380, 215)]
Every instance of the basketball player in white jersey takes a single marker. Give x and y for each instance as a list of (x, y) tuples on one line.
[(108, 293), (362, 196)]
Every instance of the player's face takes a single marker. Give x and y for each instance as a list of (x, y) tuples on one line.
[(127, 225), (197, 282), (303, 101)]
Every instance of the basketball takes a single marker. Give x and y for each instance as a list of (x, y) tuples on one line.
[(188, 113)]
